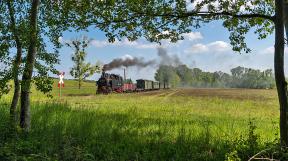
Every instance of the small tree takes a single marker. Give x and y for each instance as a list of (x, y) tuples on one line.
[(81, 70)]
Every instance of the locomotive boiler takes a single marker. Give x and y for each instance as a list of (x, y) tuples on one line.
[(108, 83)]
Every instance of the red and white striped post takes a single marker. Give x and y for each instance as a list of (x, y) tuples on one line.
[(61, 82)]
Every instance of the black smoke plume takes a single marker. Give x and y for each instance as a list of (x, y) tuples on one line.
[(127, 62), (130, 61)]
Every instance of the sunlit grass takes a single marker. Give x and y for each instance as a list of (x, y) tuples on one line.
[(163, 125)]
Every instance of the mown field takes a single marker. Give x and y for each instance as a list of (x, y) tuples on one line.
[(174, 124)]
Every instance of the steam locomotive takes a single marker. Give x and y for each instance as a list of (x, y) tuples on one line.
[(109, 83)]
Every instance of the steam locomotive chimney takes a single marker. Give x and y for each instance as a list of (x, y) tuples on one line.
[(103, 72), (124, 74)]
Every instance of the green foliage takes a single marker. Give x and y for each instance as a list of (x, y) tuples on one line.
[(232, 156), (14, 34), (4, 86), (167, 75), (251, 78), (240, 77), (246, 146), (44, 84), (81, 70)]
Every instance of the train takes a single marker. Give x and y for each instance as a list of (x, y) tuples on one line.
[(113, 83)]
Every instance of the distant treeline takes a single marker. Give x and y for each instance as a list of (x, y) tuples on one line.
[(240, 77)]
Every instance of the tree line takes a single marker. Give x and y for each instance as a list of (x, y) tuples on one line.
[(239, 77)]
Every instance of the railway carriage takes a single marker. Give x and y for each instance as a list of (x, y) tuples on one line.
[(143, 84)]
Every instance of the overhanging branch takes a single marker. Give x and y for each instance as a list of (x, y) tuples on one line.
[(224, 13), (208, 14)]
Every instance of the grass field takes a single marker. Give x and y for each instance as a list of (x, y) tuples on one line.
[(174, 124)]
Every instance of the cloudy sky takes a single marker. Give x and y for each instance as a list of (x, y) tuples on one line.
[(207, 48)]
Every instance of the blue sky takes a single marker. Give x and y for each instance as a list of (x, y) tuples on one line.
[(207, 48)]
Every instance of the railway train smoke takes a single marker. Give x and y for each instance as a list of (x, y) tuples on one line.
[(127, 61), (166, 59)]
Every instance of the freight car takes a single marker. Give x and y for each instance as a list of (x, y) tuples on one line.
[(129, 87), (146, 85), (108, 83)]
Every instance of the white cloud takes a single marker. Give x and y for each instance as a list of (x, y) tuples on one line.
[(124, 43), (192, 36), (219, 46), (127, 56), (99, 44), (214, 47), (270, 50), (147, 46), (197, 48)]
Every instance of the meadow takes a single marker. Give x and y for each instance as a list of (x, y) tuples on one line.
[(173, 124)]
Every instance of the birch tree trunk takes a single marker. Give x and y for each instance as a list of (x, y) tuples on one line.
[(28, 70)]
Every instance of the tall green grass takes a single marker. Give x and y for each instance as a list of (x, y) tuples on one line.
[(141, 126), (62, 133)]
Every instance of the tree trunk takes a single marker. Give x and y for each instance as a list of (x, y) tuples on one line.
[(15, 97), (79, 83), (16, 94), (286, 20), (279, 71), (16, 63), (28, 70)]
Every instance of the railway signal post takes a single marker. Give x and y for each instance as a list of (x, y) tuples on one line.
[(61, 82)]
